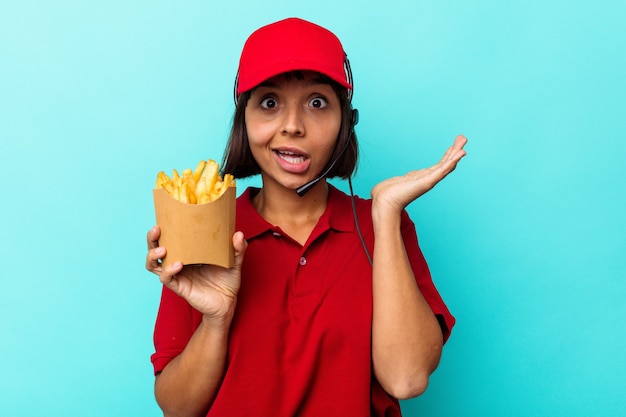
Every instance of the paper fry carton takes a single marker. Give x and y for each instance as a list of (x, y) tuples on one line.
[(196, 233)]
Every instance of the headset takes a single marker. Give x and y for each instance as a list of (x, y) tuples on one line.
[(354, 119)]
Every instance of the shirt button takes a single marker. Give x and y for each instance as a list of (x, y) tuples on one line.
[(303, 261)]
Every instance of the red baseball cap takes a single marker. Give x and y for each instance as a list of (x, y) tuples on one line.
[(290, 45)]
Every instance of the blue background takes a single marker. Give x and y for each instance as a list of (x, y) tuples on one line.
[(525, 240)]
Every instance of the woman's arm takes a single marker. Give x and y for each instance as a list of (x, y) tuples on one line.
[(189, 383), (406, 336)]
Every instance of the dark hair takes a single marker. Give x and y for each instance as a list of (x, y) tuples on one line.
[(238, 159)]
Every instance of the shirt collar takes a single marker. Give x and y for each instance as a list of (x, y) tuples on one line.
[(338, 212), (337, 216)]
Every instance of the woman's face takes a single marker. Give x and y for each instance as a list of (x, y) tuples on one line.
[(292, 123)]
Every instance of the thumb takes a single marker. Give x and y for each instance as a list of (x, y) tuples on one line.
[(240, 245)]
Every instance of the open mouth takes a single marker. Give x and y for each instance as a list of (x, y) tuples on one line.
[(291, 157)]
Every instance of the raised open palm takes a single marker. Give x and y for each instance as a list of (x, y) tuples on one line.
[(398, 192)]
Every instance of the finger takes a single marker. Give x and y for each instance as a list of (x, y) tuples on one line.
[(446, 167), (448, 164), (168, 274), (459, 142), (153, 258), (153, 237), (455, 152), (459, 152)]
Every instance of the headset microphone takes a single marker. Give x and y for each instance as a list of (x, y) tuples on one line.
[(303, 189)]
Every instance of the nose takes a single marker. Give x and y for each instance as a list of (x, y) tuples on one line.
[(293, 121)]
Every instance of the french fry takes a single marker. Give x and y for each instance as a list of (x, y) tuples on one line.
[(201, 191), (183, 197), (199, 186), (228, 180), (190, 185), (163, 181), (176, 192), (198, 171), (211, 173)]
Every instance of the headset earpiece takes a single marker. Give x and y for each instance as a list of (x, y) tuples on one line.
[(354, 118)]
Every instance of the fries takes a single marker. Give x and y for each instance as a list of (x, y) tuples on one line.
[(199, 186)]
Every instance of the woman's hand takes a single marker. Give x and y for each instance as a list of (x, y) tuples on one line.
[(398, 192), (210, 289)]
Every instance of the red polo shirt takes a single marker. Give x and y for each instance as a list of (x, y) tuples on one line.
[(300, 340)]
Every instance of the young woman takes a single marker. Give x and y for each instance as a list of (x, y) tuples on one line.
[(321, 315)]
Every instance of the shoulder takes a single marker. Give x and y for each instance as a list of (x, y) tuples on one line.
[(248, 220), (341, 201)]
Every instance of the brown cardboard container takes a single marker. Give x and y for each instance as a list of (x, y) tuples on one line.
[(196, 233)]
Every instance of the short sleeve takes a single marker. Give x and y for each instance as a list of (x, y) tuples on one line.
[(175, 324)]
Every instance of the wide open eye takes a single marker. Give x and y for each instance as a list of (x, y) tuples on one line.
[(318, 103), (269, 103)]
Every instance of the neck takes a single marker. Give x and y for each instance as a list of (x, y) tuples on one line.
[(284, 208)]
